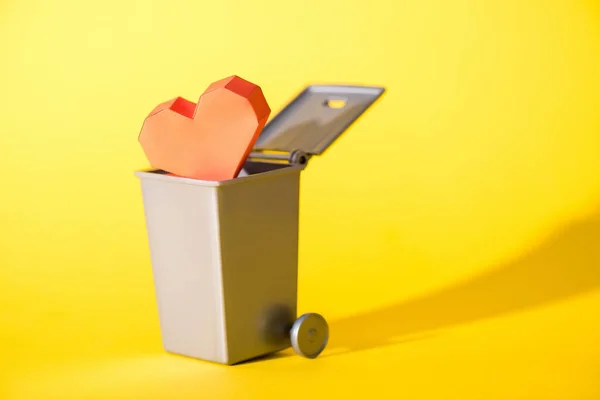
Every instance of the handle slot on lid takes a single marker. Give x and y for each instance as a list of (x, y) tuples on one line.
[(335, 103)]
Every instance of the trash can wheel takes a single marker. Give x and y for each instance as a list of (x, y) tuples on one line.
[(309, 335)]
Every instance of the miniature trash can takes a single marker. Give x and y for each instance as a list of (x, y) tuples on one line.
[(225, 254)]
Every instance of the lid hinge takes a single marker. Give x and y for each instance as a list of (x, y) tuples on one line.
[(296, 157)]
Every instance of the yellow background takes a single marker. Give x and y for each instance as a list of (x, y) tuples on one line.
[(451, 237)]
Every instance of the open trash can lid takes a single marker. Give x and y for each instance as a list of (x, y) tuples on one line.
[(316, 118)]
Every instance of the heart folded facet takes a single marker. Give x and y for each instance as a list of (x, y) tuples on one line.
[(209, 140)]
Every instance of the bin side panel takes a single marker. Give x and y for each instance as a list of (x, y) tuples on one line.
[(259, 250), (182, 227)]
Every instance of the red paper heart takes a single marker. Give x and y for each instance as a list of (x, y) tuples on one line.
[(209, 140)]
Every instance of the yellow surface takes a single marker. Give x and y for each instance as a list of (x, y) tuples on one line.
[(451, 238)]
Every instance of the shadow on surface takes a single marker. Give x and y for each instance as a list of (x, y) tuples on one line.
[(267, 357), (567, 264)]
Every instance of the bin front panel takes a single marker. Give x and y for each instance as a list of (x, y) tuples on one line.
[(259, 249), (183, 235)]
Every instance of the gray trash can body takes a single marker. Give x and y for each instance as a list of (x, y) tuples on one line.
[(225, 261)]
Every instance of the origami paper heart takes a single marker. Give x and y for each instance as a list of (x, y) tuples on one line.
[(209, 140)]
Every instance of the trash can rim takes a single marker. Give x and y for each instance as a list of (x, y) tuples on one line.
[(156, 174)]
